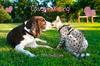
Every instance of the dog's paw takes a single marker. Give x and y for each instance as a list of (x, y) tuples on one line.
[(32, 55), (44, 42), (82, 55), (87, 54), (51, 48)]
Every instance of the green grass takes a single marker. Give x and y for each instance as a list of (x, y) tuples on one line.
[(48, 57)]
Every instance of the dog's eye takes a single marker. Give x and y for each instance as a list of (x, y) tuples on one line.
[(52, 24), (42, 20)]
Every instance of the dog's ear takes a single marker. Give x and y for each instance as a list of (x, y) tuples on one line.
[(40, 24), (35, 27), (32, 24)]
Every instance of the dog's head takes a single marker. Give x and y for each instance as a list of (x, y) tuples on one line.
[(48, 26), (35, 24), (57, 22)]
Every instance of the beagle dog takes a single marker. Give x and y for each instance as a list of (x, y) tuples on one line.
[(27, 34)]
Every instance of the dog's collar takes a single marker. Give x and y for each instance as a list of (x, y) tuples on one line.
[(28, 31)]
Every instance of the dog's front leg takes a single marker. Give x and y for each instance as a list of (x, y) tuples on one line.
[(33, 44), (43, 41), (46, 46)]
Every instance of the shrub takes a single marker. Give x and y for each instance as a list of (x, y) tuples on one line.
[(4, 16)]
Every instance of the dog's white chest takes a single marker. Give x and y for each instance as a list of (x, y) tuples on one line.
[(29, 41), (28, 38)]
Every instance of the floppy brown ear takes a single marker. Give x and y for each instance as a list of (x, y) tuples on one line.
[(35, 27), (32, 24)]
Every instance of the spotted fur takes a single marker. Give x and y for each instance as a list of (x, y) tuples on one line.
[(71, 39)]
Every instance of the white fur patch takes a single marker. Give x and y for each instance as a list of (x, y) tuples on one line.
[(28, 30), (25, 22), (28, 41), (20, 48)]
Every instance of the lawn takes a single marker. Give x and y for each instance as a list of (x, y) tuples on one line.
[(51, 57)]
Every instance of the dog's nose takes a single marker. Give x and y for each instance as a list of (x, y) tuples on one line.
[(44, 23), (52, 24)]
